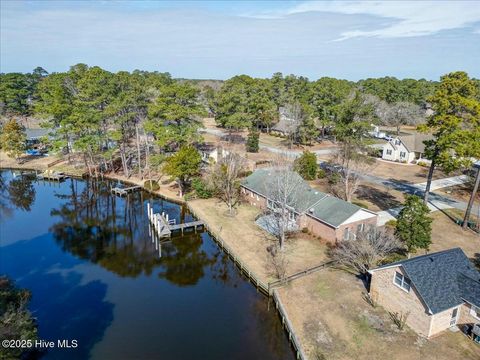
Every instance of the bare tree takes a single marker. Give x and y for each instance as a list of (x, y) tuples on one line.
[(293, 117), (354, 164), (278, 262), (225, 178), (369, 247), (399, 114), (283, 187)]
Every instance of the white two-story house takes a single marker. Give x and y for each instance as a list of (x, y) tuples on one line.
[(405, 148)]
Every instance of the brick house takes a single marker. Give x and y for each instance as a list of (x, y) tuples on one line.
[(438, 291), (324, 215)]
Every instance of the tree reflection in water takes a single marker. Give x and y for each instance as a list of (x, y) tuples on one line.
[(18, 192), (113, 233)]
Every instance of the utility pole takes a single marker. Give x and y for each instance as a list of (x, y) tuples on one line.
[(476, 165)]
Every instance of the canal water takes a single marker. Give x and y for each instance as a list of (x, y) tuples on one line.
[(96, 277)]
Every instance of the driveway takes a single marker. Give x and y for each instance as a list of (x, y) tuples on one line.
[(446, 182)]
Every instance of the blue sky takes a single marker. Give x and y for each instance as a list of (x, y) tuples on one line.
[(220, 39)]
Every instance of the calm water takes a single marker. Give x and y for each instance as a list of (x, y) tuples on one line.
[(96, 277)]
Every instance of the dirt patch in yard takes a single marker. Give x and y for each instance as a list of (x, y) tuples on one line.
[(412, 174), (250, 242), (333, 321), (372, 196), (460, 192), (446, 235)]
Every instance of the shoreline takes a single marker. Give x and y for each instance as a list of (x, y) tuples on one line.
[(245, 268)]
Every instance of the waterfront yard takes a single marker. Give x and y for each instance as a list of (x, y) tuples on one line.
[(250, 243), (333, 321)]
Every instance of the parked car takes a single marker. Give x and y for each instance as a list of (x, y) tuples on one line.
[(388, 138)]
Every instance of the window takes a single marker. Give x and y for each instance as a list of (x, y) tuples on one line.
[(403, 154), (291, 215), (360, 227), (251, 194), (402, 281), (475, 312), (346, 234), (389, 152), (258, 197)]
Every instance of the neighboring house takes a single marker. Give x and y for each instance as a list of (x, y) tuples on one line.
[(324, 215), (212, 153), (285, 125), (405, 148), (437, 291)]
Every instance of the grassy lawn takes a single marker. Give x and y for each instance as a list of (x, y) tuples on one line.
[(412, 174), (250, 242), (446, 234), (333, 321)]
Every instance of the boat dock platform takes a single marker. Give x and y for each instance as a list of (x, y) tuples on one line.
[(124, 191), (52, 175), (164, 226)]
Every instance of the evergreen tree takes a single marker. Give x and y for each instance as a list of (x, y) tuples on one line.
[(252, 141), (455, 125), (414, 226), (13, 139), (183, 166), (306, 165)]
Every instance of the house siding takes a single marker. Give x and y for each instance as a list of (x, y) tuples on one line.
[(396, 300), (465, 316), (396, 150)]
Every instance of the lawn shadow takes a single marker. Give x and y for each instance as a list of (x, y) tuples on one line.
[(383, 199)]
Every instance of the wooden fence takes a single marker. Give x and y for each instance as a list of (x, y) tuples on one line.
[(265, 289), (288, 326)]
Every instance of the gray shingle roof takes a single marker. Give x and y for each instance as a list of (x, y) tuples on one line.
[(443, 279), (323, 206)]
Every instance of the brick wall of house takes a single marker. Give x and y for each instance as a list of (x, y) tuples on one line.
[(353, 226), (465, 316), (395, 299), (254, 199), (320, 229), (441, 321)]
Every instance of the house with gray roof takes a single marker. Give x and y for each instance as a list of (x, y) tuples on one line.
[(436, 291), (323, 214)]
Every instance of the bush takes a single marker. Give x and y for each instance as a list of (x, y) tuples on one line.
[(305, 230), (151, 185), (361, 204), (333, 178), (321, 174), (422, 163), (306, 165), (201, 188), (392, 224)]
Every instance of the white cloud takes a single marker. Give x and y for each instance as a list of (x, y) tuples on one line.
[(406, 18)]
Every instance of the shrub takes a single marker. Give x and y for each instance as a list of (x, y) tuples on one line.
[(305, 230), (422, 163), (392, 224), (306, 165), (321, 174), (151, 185), (201, 188), (333, 178)]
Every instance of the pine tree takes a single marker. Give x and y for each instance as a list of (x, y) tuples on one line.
[(252, 141), (414, 226)]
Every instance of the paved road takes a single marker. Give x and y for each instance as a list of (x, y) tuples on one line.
[(436, 202), (443, 183), (290, 153)]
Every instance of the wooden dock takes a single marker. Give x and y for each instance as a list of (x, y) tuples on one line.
[(164, 226), (52, 175), (124, 191)]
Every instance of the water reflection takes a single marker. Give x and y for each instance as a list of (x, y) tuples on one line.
[(111, 231), (97, 275), (18, 192)]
